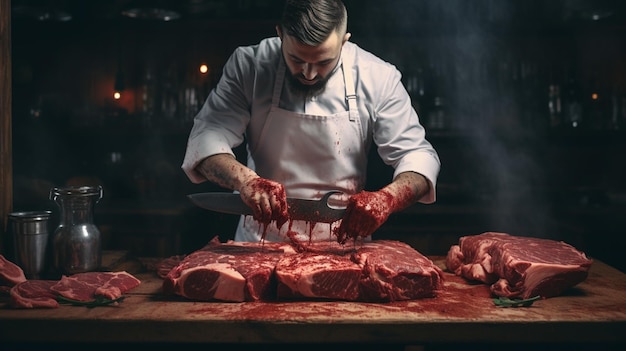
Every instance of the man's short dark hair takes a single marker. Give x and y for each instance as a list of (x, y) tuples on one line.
[(312, 21)]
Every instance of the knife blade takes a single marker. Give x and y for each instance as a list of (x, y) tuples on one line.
[(299, 209)]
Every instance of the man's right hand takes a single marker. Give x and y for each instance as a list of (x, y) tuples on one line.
[(267, 199)]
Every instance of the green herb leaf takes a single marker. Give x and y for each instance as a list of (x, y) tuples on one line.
[(99, 301), (506, 302)]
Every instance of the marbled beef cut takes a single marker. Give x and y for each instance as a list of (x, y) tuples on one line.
[(225, 272), (394, 271), (318, 276), (365, 271), (518, 267)]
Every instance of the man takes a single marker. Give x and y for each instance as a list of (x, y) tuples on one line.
[(310, 104)]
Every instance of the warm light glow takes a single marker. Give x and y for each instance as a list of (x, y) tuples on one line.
[(594, 96), (204, 68), (117, 95)]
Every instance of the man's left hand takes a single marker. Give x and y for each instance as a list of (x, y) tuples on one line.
[(366, 212)]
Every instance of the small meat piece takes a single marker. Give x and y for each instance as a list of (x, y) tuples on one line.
[(318, 276), (33, 294), (518, 267), (329, 247), (87, 286), (10, 273), (394, 271)]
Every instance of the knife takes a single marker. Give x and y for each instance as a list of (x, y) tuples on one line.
[(299, 209)]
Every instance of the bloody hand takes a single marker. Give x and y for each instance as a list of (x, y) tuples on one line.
[(366, 212), (267, 199)]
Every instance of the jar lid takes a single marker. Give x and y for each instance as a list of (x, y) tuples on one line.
[(84, 190), (30, 215)]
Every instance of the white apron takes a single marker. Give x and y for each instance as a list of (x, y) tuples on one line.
[(310, 155)]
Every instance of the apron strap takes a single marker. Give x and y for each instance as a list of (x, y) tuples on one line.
[(278, 83), (350, 91)]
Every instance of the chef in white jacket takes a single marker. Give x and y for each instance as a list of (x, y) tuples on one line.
[(310, 104)]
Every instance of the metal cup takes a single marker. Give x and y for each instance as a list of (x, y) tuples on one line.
[(30, 241)]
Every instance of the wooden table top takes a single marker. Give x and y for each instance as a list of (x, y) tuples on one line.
[(593, 311)]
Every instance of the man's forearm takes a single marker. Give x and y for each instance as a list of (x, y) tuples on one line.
[(406, 189), (225, 171)]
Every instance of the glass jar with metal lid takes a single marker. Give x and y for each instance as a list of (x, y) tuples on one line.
[(77, 244)]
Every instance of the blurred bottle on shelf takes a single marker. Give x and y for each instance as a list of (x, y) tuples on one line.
[(436, 107), (554, 105), (148, 95), (572, 101), (617, 114), (416, 89), (437, 114), (530, 81)]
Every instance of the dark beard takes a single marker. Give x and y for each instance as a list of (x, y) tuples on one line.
[(306, 91)]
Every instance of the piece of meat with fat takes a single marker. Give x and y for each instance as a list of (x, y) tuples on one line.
[(10, 273), (361, 271), (381, 270), (210, 281), (87, 286), (258, 270), (394, 271), (232, 272), (33, 294), (518, 267), (173, 282), (318, 276)]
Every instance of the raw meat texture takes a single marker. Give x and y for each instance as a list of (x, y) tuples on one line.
[(518, 267), (211, 281), (81, 287), (33, 294), (10, 273), (365, 271), (87, 286), (226, 272), (394, 271), (318, 276)]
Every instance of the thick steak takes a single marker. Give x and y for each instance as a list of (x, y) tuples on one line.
[(318, 276), (393, 271), (518, 267), (225, 272)]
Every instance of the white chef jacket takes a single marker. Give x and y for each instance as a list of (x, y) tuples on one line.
[(239, 105)]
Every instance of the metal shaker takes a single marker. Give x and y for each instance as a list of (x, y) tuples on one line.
[(77, 241), (30, 241)]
